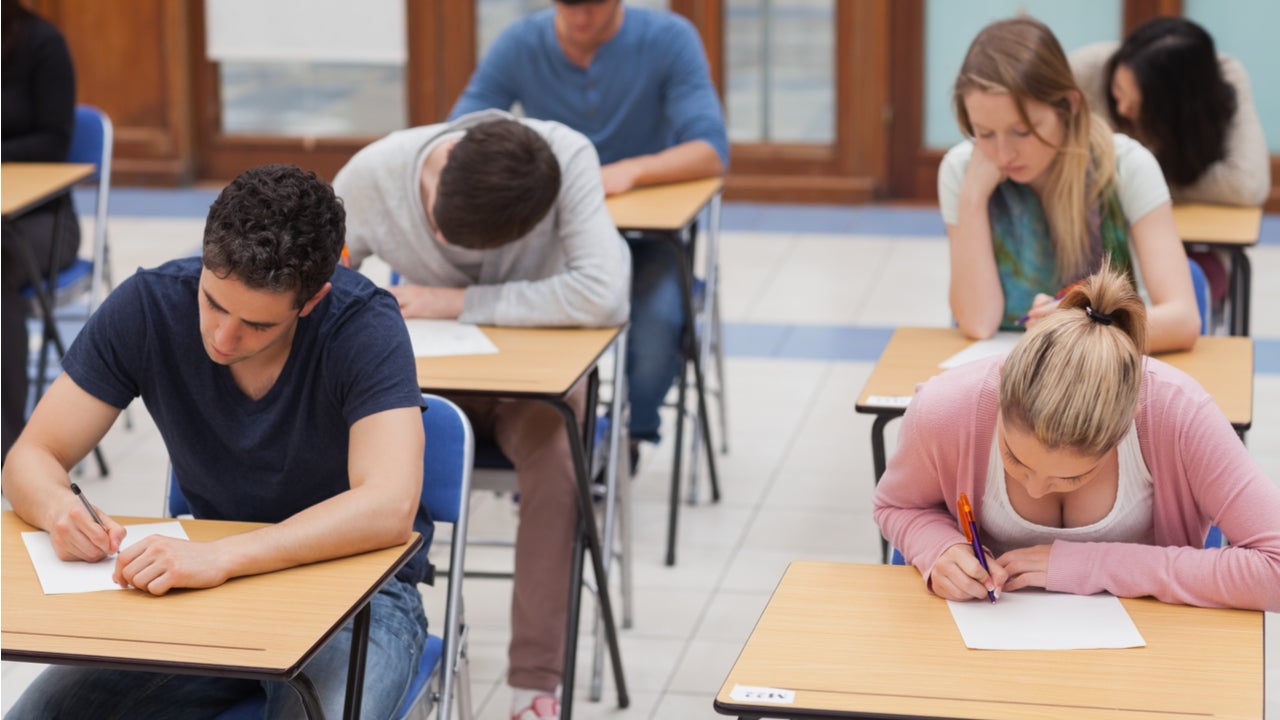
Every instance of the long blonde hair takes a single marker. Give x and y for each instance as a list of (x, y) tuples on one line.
[(1021, 57), (1073, 380)]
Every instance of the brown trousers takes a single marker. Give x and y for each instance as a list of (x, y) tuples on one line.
[(532, 435)]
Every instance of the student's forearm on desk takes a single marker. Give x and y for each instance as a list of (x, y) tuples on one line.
[(385, 466), (691, 160)]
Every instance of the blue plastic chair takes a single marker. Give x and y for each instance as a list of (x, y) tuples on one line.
[(1201, 285), (442, 674), (81, 284)]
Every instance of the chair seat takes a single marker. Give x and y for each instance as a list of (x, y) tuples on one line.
[(489, 456), (426, 665), (74, 279)]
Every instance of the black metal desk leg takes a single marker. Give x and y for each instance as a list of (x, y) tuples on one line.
[(355, 671), (592, 538), (1242, 288), (878, 460)]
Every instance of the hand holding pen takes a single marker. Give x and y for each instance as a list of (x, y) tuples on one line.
[(1043, 304), (84, 533), (970, 527)]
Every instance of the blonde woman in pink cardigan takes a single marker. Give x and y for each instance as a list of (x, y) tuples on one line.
[(1090, 468)]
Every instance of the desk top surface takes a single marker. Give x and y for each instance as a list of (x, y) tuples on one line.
[(662, 208), (1218, 224), (529, 362), (858, 640), (263, 625), (1222, 365), (28, 184)]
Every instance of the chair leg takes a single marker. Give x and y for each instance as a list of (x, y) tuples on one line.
[(717, 330), (673, 503), (706, 431)]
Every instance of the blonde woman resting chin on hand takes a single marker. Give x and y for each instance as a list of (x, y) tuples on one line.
[(1042, 190), (1090, 467)]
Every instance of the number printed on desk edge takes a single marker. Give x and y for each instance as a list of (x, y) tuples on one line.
[(753, 694)]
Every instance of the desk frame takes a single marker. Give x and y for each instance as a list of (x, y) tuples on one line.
[(292, 675), (1232, 230), (638, 225), (37, 183), (587, 538)]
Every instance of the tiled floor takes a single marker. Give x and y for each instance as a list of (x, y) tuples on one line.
[(807, 313)]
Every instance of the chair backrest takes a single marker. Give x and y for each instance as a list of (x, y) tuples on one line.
[(1201, 285), (92, 140), (446, 489), (447, 459), (175, 503)]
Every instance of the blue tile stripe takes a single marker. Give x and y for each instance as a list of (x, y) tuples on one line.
[(850, 343), (193, 203), (782, 341)]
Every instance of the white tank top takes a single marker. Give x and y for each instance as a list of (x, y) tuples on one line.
[(1129, 520)]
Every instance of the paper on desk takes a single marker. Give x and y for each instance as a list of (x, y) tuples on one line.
[(1039, 620), (999, 344), (58, 577), (437, 338)]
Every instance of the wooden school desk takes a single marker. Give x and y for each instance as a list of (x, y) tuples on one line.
[(261, 627), (668, 212), (24, 186), (1231, 229), (544, 364), (868, 641), (1222, 365)]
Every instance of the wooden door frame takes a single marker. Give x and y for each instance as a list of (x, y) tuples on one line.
[(438, 65), (854, 167)]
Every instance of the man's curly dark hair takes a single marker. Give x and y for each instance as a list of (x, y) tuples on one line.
[(276, 227)]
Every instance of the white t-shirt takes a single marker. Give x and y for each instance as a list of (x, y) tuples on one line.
[(1129, 520), (1139, 182)]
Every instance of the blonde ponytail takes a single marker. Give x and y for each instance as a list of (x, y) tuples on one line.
[(1073, 380)]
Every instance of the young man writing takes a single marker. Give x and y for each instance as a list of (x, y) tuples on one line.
[(286, 392)]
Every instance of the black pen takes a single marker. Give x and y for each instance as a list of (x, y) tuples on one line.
[(76, 489)]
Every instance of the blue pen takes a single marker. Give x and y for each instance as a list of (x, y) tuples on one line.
[(970, 527)]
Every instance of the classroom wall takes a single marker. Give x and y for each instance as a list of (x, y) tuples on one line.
[(950, 26), (1246, 29)]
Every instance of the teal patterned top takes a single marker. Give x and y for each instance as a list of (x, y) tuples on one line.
[(1024, 248)]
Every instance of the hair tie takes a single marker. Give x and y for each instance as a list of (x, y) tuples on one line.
[(1096, 316)]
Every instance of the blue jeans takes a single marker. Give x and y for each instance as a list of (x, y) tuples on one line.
[(654, 356), (397, 633)]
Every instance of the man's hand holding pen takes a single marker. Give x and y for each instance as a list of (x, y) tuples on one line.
[(82, 532)]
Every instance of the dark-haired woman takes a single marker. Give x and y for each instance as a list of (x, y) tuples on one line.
[(1168, 87)]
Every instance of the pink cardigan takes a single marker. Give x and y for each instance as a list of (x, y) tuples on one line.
[(1201, 473)]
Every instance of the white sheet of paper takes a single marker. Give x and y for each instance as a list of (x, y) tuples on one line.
[(58, 577), (999, 344), (438, 338), (1039, 620)]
